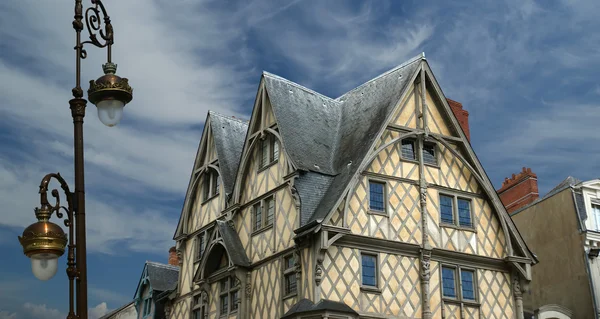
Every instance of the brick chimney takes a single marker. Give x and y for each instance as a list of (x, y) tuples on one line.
[(461, 115), (173, 260), (519, 190)]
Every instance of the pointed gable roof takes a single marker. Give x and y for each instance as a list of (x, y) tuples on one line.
[(228, 135), (160, 277), (328, 138)]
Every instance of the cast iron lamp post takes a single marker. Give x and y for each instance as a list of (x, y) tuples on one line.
[(43, 242)]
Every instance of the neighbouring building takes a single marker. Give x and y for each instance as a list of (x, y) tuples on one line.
[(563, 229), (369, 205), (151, 300)]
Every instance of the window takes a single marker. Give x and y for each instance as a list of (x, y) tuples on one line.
[(429, 154), (447, 209), (212, 183), (289, 275), (377, 196), (464, 212), (467, 283), (461, 216), (229, 295), (369, 270), (196, 307), (449, 283), (257, 212), (263, 213), (270, 205), (408, 149), (596, 212), (269, 150), (200, 246), (147, 306)]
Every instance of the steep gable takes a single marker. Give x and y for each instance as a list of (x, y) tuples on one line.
[(222, 140)]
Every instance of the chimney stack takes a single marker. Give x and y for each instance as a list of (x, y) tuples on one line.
[(173, 260), (519, 190), (461, 115)]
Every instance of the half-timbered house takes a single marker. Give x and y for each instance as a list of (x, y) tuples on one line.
[(369, 205)]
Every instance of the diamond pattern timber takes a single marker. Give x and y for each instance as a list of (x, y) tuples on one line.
[(388, 162), (204, 213), (452, 173), (399, 282), (277, 238), (336, 218), (435, 120), (407, 113), (404, 221), (213, 301), (435, 294), (307, 280), (186, 273), (266, 286), (341, 280), (258, 182), (487, 241), (181, 309), (471, 312), (495, 295), (452, 311), (490, 236), (286, 219)]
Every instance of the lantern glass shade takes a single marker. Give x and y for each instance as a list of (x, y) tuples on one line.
[(110, 112), (44, 265)]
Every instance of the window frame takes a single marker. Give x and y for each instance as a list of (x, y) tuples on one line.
[(455, 211), (385, 196), (435, 154), (210, 179), (363, 286), (289, 272), (196, 305), (415, 150), (198, 249), (270, 140), (458, 285), (229, 292), (146, 307), (264, 222)]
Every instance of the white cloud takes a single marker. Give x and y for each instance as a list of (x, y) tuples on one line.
[(114, 298), (41, 311), (8, 315)]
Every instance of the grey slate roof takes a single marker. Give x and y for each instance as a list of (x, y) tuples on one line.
[(330, 137), (305, 305), (229, 135), (162, 277), (233, 244)]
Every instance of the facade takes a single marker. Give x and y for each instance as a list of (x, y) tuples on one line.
[(563, 229), (370, 205)]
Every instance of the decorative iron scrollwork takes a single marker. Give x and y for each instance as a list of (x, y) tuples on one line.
[(97, 21)]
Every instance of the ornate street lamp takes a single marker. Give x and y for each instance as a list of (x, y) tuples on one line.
[(44, 242)]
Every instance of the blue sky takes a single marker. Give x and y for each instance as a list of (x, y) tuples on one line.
[(525, 70)]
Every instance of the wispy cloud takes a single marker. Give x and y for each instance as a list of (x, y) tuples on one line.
[(38, 311)]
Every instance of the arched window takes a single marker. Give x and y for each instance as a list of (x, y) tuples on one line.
[(217, 259), (211, 184)]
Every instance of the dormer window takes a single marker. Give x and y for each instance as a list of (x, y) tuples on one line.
[(269, 151), (212, 183)]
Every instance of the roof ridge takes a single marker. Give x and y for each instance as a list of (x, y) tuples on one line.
[(228, 117), (299, 86), (394, 69), (167, 266)]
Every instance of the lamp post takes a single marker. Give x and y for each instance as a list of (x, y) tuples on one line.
[(44, 241)]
